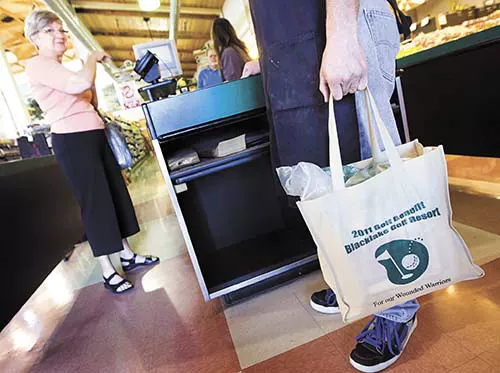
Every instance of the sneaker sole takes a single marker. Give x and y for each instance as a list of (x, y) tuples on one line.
[(386, 364), (322, 309)]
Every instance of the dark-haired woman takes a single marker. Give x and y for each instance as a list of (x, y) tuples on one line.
[(232, 52)]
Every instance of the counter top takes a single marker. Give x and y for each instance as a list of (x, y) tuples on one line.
[(177, 114), (22, 165), (481, 38)]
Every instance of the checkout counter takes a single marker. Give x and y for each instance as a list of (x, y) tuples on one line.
[(449, 94), (40, 223), (240, 234)]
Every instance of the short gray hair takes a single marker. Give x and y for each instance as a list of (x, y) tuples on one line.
[(36, 21)]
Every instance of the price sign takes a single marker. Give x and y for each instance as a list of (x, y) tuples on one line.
[(128, 95)]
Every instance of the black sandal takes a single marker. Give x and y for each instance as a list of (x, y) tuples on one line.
[(130, 264), (114, 287)]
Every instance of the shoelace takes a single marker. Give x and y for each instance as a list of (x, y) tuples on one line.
[(381, 331), (331, 298)]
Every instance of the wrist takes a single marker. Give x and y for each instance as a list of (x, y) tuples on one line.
[(341, 37), (342, 19), (341, 32)]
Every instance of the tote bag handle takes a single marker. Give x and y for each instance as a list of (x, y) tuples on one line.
[(374, 122)]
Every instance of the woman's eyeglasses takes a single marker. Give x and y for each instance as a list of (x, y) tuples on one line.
[(53, 31)]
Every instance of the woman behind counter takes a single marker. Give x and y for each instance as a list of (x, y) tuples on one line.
[(81, 148), (232, 52)]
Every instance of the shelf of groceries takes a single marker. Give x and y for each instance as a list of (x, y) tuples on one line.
[(37, 140), (9, 151), (436, 31)]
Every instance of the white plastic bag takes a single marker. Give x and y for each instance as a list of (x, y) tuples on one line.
[(389, 239), (308, 181), (305, 180)]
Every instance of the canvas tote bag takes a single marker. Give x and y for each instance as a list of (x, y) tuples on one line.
[(389, 239)]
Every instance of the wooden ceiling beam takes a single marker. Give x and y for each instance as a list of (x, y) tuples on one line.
[(17, 18), (135, 40), (124, 58), (184, 71), (38, 3), (24, 52), (19, 38), (23, 46), (138, 13), (112, 50), (192, 12), (147, 34), (185, 65), (189, 66), (12, 27), (187, 60), (12, 40)]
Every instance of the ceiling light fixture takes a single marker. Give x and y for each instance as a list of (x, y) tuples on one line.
[(7, 19), (149, 5)]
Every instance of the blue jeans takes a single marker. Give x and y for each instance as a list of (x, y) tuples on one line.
[(379, 38), (291, 39), (401, 313)]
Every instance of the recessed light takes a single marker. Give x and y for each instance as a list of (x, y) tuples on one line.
[(7, 19)]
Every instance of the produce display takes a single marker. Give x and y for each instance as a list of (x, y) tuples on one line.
[(136, 142), (432, 39), (8, 150), (135, 139)]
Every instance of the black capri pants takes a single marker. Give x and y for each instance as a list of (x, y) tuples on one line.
[(91, 168)]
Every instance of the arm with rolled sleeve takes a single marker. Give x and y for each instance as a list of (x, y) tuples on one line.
[(50, 73)]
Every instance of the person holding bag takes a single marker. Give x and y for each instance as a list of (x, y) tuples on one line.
[(79, 143), (309, 51)]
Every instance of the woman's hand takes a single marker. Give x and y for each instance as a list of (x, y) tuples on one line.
[(100, 56), (251, 68)]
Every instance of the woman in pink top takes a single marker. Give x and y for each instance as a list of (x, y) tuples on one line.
[(81, 148)]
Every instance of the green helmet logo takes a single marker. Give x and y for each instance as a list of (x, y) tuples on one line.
[(404, 260)]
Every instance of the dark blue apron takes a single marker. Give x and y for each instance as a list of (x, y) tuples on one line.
[(291, 39)]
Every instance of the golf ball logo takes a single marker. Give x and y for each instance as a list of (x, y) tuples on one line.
[(410, 262), (404, 260)]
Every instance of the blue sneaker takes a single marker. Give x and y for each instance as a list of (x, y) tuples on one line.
[(381, 343), (325, 301)]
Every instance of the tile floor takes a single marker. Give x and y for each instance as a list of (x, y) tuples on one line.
[(72, 324)]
